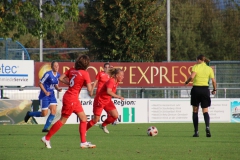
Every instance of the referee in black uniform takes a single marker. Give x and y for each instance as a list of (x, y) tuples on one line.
[(200, 94)]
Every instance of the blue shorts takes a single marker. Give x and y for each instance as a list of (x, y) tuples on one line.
[(46, 101)]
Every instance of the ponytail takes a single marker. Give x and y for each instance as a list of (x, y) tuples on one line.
[(203, 58), (113, 71)]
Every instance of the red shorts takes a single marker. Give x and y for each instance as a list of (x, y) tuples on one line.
[(71, 106), (98, 107)]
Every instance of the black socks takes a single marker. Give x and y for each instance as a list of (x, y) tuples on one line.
[(206, 119), (195, 121)]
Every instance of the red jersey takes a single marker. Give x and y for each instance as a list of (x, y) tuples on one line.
[(102, 78), (102, 96), (77, 79)]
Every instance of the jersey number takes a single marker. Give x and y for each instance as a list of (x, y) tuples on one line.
[(72, 81)]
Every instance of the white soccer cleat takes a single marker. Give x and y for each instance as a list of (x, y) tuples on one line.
[(46, 142), (104, 128), (87, 145)]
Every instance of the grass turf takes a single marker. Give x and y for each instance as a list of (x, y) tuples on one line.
[(125, 142)]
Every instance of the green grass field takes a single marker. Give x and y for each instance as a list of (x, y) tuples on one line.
[(125, 142)]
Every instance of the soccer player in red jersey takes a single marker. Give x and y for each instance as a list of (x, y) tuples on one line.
[(75, 77), (101, 78), (103, 100)]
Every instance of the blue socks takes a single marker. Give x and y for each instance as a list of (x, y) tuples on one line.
[(35, 114), (49, 121)]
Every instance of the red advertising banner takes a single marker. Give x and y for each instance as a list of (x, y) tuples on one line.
[(145, 74)]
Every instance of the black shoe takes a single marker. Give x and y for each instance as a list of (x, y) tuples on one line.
[(45, 130), (27, 117), (208, 134), (196, 134)]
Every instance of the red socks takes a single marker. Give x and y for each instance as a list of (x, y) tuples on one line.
[(90, 124), (82, 131), (54, 129), (109, 120)]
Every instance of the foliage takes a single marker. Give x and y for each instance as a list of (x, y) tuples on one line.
[(203, 28), (19, 17), (123, 30)]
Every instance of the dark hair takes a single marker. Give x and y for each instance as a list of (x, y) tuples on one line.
[(105, 64), (203, 58), (82, 62), (52, 63), (114, 71)]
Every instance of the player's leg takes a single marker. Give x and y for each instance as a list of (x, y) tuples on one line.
[(205, 103), (195, 100), (55, 127), (97, 111), (113, 115), (207, 121), (66, 112), (93, 121), (44, 103), (82, 126), (53, 110), (195, 120)]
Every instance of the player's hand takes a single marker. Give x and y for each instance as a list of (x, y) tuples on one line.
[(59, 89), (47, 93), (90, 93), (214, 92), (122, 98)]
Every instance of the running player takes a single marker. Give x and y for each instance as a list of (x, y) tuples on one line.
[(103, 100), (101, 78), (47, 98), (75, 77)]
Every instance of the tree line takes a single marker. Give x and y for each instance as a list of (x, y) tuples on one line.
[(127, 30)]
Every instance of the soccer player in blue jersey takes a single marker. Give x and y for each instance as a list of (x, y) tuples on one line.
[(47, 97)]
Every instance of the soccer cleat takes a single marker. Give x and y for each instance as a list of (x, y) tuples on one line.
[(46, 142), (87, 145), (208, 134), (26, 118), (196, 134), (104, 128), (45, 130)]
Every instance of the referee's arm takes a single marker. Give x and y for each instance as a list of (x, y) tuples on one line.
[(214, 86)]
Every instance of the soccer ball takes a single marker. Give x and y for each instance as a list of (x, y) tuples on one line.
[(152, 131)]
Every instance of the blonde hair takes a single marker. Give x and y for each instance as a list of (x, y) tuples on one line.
[(114, 71)]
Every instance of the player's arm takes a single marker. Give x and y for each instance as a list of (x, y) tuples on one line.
[(89, 88), (112, 94), (214, 83), (93, 86), (190, 78), (43, 89), (63, 79), (57, 88)]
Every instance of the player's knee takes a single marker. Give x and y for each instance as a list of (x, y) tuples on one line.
[(96, 119), (115, 116), (53, 112), (43, 114)]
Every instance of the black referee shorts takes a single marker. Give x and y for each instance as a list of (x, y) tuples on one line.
[(200, 94)]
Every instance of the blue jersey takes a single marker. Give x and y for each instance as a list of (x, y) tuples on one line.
[(49, 81)]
